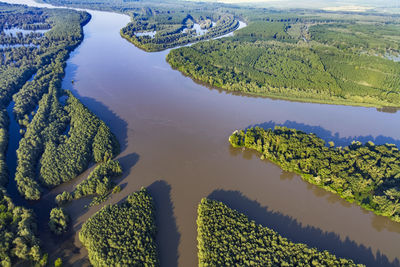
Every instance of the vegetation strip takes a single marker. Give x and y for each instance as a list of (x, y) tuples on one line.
[(122, 234), (365, 174), (228, 238)]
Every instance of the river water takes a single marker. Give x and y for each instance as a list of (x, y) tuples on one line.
[(174, 136)]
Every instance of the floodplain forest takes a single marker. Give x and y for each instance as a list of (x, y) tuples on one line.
[(122, 234), (303, 58), (60, 137), (366, 174), (228, 238)]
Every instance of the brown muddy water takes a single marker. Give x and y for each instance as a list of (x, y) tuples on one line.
[(174, 136)]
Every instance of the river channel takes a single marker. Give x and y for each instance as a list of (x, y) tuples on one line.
[(174, 137)]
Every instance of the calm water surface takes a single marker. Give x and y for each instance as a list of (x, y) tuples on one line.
[(174, 135)]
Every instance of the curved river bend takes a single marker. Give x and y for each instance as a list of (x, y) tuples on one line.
[(174, 135)]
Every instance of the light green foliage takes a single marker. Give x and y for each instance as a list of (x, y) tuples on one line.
[(228, 238), (17, 233), (59, 220), (58, 262), (116, 189), (366, 174), (122, 234)]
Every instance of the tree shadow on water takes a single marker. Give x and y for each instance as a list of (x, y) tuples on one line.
[(127, 163), (168, 236), (296, 232), (327, 135), (117, 125)]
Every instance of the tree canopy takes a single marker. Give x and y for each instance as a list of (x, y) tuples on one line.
[(122, 234)]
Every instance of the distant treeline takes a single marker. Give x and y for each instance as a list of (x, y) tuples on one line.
[(175, 30)]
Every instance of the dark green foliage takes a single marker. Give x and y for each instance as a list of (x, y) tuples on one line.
[(262, 30), (358, 37), (17, 233), (366, 174), (105, 145), (99, 181), (61, 157), (46, 153), (43, 55), (99, 184), (172, 21), (228, 238), (59, 220), (277, 59), (70, 156), (176, 29), (46, 126), (122, 234)]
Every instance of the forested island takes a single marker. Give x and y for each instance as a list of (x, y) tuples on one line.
[(323, 58), (366, 174), (122, 234), (60, 137), (171, 30), (228, 238), (159, 25)]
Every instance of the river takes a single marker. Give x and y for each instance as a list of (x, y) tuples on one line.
[(174, 137)]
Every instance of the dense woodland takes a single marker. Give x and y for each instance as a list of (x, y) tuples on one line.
[(305, 59), (99, 183), (366, 174), (228, 238), (18, 234), (176, 29), (60, 136), (303, 56), (171, 24), (122, 234), (58, 221)]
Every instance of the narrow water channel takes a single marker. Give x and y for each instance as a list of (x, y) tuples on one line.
[(174, 136)]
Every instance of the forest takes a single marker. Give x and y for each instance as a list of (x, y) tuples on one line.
[(18, 236), (99, 183), (228, 238), (122, 234), (59, 220), (60, 137), (304, 59), (176, 29), (366, 174), (159, 25)]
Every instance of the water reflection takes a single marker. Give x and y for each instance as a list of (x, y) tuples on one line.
[(287, 176)]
